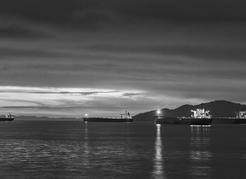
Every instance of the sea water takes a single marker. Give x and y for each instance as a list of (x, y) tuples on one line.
[(72, 149)]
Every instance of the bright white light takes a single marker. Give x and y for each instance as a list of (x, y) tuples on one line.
[(158, 112), (86, 115)]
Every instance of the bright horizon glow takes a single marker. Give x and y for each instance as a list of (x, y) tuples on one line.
[(64, 101), (75, 102)]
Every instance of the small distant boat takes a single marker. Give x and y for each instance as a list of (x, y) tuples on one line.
[(8, 117), (126, 117), (199, 117)]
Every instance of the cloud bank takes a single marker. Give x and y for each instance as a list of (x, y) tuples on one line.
[(145, 54)]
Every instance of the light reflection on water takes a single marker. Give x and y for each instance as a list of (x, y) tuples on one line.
[(158, 172), (200, 154), (137, 150), (86, 146)]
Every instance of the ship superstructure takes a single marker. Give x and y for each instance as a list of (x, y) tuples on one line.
[(7, 117), (241, 115), (200, 117), (201, 113)]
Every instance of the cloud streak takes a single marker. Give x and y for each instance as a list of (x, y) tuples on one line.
[(55, 99)]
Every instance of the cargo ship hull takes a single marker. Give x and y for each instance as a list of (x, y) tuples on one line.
[(200, 121), (6, 119), (95, 119), (228, 121), (184, 121)]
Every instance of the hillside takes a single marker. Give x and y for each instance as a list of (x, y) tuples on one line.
[(219, 108)]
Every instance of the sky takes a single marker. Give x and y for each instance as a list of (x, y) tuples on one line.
[(71, 57)]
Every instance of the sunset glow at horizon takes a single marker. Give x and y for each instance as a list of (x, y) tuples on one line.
[(73, 102)]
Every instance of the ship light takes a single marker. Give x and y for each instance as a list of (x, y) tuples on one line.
[(158, 112), (86, 115)]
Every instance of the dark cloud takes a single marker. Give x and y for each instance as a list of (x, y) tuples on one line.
[(171, 51), (20, 52), (132, 94), (89, 11), (219, 52), (17, 27), (14, 31)]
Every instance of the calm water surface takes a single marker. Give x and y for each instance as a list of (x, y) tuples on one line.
[(62, 149)]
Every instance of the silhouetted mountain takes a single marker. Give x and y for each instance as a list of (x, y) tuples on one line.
[(219, 108)]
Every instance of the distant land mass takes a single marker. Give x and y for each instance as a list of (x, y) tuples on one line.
[(43, 118), (218, 108)]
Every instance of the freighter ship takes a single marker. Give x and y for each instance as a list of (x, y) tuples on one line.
[(8, 117), (240, 118), (199, 117), (126, 117)]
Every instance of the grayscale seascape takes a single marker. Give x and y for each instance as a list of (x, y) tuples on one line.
[(122, 89)]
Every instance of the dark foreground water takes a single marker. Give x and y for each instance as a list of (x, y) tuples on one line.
[(43, 149)]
